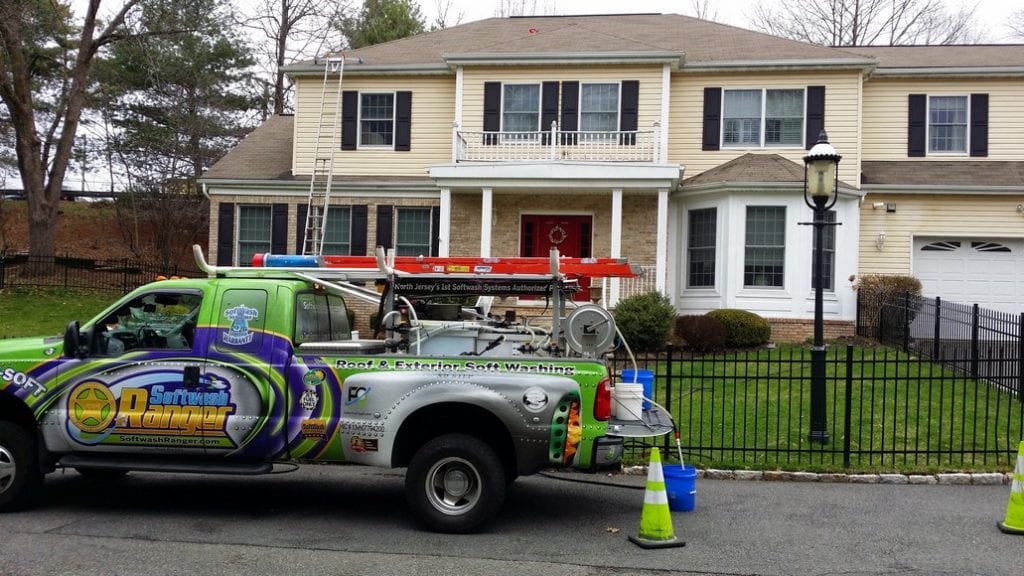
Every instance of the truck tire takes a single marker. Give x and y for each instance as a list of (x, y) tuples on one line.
[(455, 483), (20, 477)]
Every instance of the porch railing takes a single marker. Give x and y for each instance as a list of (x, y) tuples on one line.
[(554, 144)]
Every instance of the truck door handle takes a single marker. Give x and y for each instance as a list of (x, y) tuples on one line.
[(191, 378)]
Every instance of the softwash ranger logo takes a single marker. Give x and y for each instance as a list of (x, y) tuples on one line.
[(240, 316), (155, 416)]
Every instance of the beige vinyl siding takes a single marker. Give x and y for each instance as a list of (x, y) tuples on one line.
[(885, 115), (433, 104), (686, 118), (474, 79), (929, 215)]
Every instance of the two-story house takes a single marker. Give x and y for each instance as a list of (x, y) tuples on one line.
[(673, 141)]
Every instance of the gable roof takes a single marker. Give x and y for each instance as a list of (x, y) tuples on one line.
[(761, 168), (264, 154), (698, 43)]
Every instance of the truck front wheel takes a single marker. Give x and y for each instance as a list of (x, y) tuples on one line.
[(455, 483), (20, 477)]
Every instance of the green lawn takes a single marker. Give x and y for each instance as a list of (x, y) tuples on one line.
[(47, 311), (753, 410)]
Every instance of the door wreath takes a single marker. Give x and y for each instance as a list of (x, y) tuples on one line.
[(557, 235)]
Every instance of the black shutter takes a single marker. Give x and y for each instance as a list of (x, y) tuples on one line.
[(279, 229), (357, 247), (917, 123), (349, 119), (629, 110), (435, 230), (492, 111), (225, 234), (385, 219), (815, 114), (548, 109), (300, 226), (712, 119), (403, 121), (570, 111), (979, 124)]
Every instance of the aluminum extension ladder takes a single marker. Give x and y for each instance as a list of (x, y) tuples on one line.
[(323, 159)]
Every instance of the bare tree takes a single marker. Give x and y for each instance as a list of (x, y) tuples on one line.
[(506, 8), (39, 41), (1016, 23), (867, 22), (703, 9), (294, 29), (445, 17)]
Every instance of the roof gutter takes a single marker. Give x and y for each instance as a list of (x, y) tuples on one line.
[(355, 67), (563, 58), (865, 64), (736, 186), (950, 71), (943, 189)]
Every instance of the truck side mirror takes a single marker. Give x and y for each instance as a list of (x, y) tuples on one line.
[(72, 341)]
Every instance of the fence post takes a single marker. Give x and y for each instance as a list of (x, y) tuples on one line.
[(856, 320), (668, 391), (975, 315), (1020, 359), (847, 409), (906, 321), (3, 270), (938, 331), (124, 275)]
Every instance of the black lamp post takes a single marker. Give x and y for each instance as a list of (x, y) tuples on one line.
[(821, 189)]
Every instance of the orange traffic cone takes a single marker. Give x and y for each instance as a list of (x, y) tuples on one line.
[(656, 519), (1014, 522)]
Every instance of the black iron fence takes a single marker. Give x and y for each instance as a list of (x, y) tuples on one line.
[(69, 272), (886, 410), (970, 340)]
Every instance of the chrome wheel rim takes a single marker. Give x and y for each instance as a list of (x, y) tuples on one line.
[(453, 486), (8, 469)]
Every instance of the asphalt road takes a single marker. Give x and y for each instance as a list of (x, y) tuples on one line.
[(347, 520)]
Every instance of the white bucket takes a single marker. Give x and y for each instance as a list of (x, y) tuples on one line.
[(628, 401)]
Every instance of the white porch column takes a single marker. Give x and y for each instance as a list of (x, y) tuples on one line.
[(616, 247), (661, 251), (444, 232), (486, 213)]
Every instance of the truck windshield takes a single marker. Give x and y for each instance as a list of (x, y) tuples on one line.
[(320, 317)]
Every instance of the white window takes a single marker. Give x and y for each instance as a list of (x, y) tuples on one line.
[(700, 248), (412, 231), (338, 231), (947, 124), (764, 256), (763, 118), (376, 119), (254, 224), (520, 109), (599, 110)]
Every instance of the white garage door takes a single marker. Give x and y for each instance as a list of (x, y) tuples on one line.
[(989, 272)]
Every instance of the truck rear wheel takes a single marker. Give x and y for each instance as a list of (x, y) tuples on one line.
[(20, 477), (455, 483)]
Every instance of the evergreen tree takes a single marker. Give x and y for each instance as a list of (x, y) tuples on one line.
[(382, 21)]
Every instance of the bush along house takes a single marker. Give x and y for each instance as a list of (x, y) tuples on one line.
[(672, 141)]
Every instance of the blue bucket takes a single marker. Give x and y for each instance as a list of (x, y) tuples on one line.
[(644, 378), (681, 485)]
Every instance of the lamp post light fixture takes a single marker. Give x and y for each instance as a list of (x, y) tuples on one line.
[(821, 190)]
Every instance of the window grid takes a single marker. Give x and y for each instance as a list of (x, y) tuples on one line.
[(254, 226), (763, 118), (701, 240), (599, 110), (412, 231), (765, 247), (947, 124), (828, 271), (520, 108), (376, 119), (338, 231)]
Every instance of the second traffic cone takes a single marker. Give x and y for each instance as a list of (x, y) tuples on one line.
[(656, 519), (1014, 522)]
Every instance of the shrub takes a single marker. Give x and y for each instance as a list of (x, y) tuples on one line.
[(876, 290), (701, 333), (743, 329), (645, 320)]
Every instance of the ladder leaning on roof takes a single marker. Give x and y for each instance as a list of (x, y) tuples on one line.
[(323, 159)]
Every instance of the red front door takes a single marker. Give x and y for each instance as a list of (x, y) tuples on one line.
[(571, 235)]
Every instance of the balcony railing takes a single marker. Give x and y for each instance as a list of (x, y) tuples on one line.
[(554, 145)]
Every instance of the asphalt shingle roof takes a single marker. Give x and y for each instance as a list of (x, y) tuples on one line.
[(953, 56), (751, 168), (943, 173), (264, 154)]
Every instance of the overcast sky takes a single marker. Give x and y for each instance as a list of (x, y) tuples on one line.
[(991, 14)]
